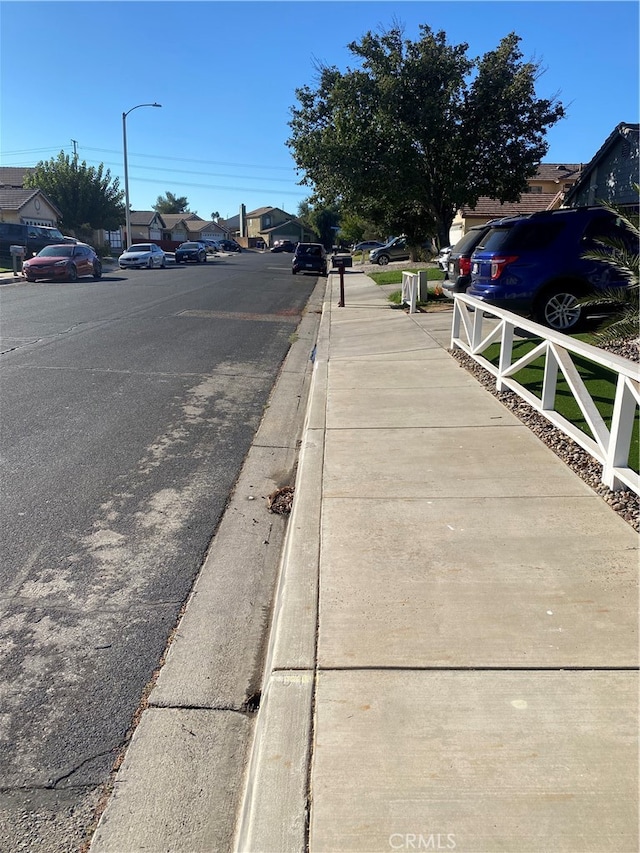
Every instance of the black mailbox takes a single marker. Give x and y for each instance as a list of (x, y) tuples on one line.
[(341, 261)]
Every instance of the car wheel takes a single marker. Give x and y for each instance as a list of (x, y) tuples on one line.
[(72, 273), (163, 264), (293, 272), (150, 264), (558, 309), (178, 261), (204, 259), (97, 270), (383, 260)]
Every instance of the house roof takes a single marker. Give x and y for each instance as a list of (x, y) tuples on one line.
[(260, 211), (172, 219), (623, 130), (13, 176), (14, 198), (143, 217), (558, 172), (491, 208)]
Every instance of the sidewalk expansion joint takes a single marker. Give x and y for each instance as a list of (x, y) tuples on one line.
[(514, 668)]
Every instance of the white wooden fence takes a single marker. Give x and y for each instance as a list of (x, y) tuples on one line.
[(410, 283), (476, 326)]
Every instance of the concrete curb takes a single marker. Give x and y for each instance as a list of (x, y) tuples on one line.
[(281, 751)]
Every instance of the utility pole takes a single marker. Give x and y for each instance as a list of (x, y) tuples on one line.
[(75, 149)]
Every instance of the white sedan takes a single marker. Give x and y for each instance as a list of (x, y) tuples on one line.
[(148, 255)]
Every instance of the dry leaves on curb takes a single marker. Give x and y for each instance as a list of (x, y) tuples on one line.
[(281, 500)]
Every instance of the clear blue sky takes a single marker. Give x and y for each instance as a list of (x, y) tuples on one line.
[(226, 73)]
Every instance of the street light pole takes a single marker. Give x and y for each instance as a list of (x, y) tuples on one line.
[(126, 167)]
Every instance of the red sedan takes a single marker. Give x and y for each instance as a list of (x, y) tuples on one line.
[(67, 262)]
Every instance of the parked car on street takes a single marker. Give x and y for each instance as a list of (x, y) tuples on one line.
[(193, 251), (211, 246), (230, 246), (68, 262), (395, 250), (366, 246), (534, 265), (32, 237), (139, 255), (458, 274), (309, 257), (442, 258), (283, 246)]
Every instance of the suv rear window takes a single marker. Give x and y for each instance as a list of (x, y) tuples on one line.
[(524, 236), (467, 242)]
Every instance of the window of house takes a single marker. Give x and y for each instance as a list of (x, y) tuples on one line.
[(534, 188)]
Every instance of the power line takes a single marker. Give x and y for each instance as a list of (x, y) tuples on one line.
[(193, 160), (157, 157), (164, 181), (189, 172)]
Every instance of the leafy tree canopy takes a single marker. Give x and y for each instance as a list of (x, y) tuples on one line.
[(169, 203), (419, 129), (88, 198), (323, 219)]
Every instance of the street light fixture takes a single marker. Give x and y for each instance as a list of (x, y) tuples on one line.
[(126, 168)]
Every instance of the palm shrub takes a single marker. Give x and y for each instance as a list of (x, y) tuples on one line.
[(622, 254)]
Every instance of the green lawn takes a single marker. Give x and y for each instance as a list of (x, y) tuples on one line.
[(395, 276), (600, 382)]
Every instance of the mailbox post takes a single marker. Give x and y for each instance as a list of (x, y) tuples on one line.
[(341, 261), (17, 252)]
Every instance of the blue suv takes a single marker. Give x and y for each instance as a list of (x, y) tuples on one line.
[(533, 265)]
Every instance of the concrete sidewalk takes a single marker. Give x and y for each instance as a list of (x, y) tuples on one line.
[(453, 658)]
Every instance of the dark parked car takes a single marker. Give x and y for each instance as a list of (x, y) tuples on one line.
[(192, 251), (534, 265), (67, 262), (283, 246), (458, 274), (309, 257), (32, 237), (229, 246)]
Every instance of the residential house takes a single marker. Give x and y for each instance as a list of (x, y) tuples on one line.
[(267, 225), (33, 207), (201, 230), (612, 172), (547, 191), (27, 206), (146, 225), (176, 228)]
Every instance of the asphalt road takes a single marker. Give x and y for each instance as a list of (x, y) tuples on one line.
[(128, 406)]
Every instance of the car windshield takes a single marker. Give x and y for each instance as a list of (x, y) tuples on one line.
[(56, 252), (189, 246), (140, 247)]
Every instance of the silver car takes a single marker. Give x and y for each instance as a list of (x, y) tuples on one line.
[(147, 255)]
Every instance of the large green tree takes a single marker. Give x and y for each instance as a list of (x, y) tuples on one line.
[(170, 203), (88, 198), (323, 219), (419, 129)]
